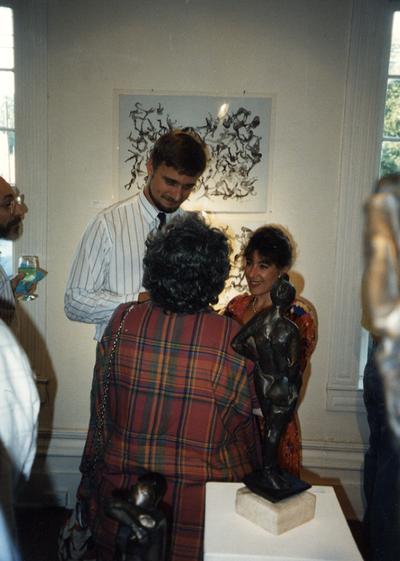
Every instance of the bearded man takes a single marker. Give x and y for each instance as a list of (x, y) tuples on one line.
[(12, 212)]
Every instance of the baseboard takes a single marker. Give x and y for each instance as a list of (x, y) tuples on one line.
[(55, 474), (339, 464)]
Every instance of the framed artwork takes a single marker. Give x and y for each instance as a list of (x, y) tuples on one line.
[(235, 129)]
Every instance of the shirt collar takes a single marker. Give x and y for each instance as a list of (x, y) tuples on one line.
[(150, 212)]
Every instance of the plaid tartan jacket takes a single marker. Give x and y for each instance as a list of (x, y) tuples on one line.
[(180, 397), (180, 403)]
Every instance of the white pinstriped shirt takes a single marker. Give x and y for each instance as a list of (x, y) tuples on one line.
[(107, 268)]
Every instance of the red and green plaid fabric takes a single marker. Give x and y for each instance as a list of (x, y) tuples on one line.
[(180, 404)]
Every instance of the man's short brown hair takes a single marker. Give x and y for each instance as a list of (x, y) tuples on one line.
[(183, 150)]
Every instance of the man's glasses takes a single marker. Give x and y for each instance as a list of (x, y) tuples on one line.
[(11, 203)]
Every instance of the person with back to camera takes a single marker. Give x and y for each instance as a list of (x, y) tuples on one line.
[(179, 397), (107, 268), (267, 255)]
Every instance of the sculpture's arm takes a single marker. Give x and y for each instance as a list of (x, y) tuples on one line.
[(244, 342), (245, 347), (130, 515), (294, 351)]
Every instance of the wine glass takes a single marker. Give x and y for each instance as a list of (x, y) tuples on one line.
[(28, 265)]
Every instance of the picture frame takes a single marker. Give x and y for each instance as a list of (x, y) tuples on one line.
[(236, 130)]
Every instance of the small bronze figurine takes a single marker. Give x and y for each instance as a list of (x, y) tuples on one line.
[(143, 527), (272, 342)]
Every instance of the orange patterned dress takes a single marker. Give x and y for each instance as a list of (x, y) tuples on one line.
[(303, 315)]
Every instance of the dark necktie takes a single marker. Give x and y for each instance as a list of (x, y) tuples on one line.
[(161, 217)]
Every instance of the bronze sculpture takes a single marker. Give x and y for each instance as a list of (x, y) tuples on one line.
[(272, 342), (143, 526)]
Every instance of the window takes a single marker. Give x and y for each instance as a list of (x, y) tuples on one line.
[(390, 154), (7, 124)]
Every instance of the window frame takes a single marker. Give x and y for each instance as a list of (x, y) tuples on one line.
[(11, 70), (6, 246)]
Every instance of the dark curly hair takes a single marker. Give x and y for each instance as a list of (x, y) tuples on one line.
[(186, 265), (272, 244)]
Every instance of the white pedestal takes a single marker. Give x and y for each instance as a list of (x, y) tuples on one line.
[(230, 537)]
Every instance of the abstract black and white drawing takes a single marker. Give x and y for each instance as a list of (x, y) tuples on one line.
[(235, 129)]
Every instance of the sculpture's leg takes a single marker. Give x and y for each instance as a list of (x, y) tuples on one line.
[(276, 423)]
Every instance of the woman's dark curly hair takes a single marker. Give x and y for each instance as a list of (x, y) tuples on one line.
[(186, 265), (272, 244)]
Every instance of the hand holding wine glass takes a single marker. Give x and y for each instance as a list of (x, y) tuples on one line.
[(28, 266)]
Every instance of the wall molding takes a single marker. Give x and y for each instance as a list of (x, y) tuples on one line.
[(344, 399), (70, 443), (61, 443), (55, 475)]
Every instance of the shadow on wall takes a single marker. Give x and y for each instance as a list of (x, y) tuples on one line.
[(35, 347)]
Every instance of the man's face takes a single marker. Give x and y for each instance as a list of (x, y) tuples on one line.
[(166, 188), (11, 212)]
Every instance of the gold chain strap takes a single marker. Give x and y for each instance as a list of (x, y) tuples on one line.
[(99, 441)]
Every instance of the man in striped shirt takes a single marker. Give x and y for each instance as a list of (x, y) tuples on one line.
[(107, 267)]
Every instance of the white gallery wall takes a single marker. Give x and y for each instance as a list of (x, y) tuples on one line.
[(296, 52)]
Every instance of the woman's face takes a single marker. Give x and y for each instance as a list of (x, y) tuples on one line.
[(260, 275)]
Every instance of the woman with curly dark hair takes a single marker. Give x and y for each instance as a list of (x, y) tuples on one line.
[(178, 396)]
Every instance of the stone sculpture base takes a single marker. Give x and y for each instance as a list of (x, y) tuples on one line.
[(279, 517)]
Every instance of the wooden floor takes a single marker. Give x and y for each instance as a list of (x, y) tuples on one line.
[(38, 530)]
